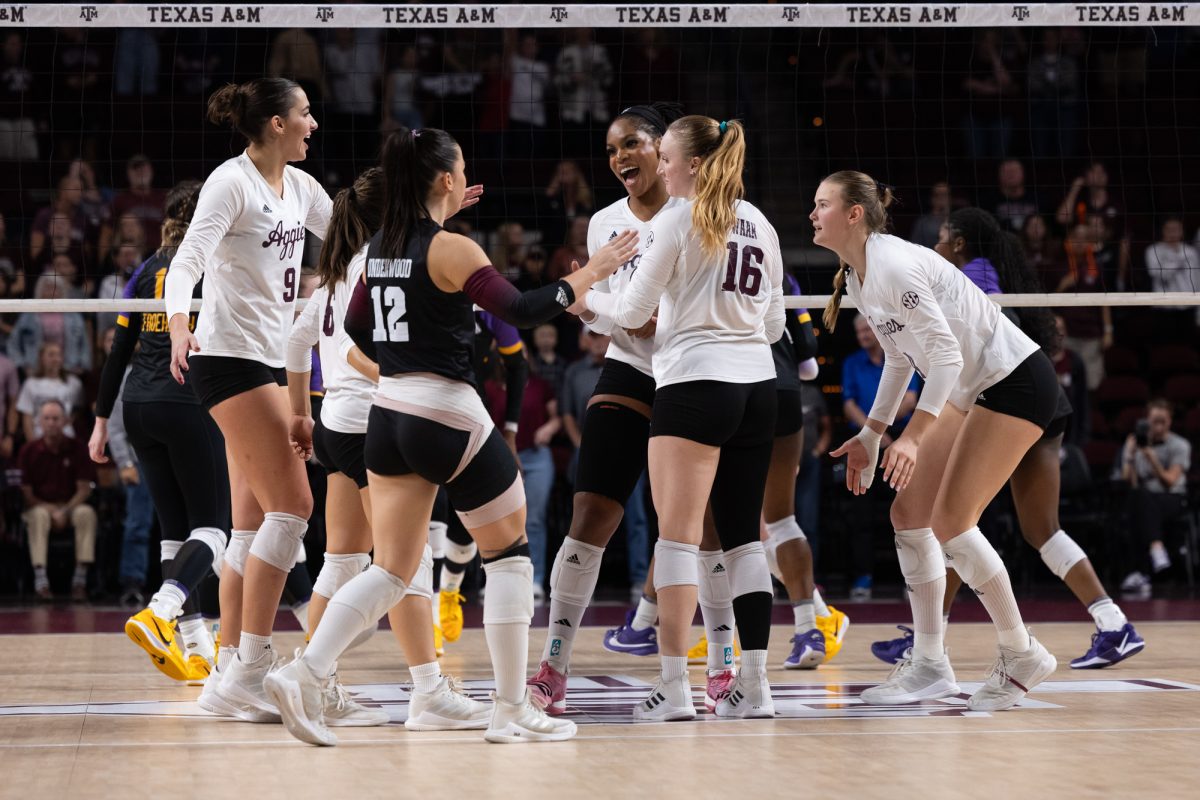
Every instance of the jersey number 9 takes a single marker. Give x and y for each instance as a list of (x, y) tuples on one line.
[(750, 279), (390, 329)]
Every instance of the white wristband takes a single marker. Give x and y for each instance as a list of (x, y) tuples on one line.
[(510, 427)]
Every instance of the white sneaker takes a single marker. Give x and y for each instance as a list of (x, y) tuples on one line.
[(340, 710), (1012, 676), (913, 680), (241, 688), (1159, 559), (667, 702), (517, 723), (300, 698), (446, 708), (750, 698), (211, 702), (1134, 581)]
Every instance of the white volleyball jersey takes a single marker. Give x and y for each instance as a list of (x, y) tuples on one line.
[(931, 318), (247, 242), (348, 393), (606, 224), (718, 314)]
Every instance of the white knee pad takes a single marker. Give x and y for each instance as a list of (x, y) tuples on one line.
[(437, 539), (460, 553), (337, 571), (747, 567), (713, 589), (239, 549), (302, 554), (675, 564), (575, 572), (422, 582), (921, 557), (974, 558), (371, 594), (509, 597), (785, 530), (280, 540), (167, 549), (1061, 553)]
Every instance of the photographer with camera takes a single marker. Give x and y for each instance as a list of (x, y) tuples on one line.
[(1154, 462)]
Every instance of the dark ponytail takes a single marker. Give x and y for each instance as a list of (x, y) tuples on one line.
[(411, 161), (177, 214), (984, 238), (248, 107), (357, 214)]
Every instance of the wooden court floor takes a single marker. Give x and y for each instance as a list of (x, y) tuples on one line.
[(84, 715)]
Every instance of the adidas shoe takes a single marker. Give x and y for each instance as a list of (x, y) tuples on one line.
[(157, 637), (446, 708), (808, 650), (749, 698), (631, 642), (300, 698), (914, 680), (1011, 677), (340, 710), (699, 652), (1110, 647), (241, 687), (517, 723), (834, 626), (893, 651), (209, 700), (548, 689), (667, 702), (717, 685), (450, 606)]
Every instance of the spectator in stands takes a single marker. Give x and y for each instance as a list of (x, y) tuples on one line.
[(400, 94), (12, 263), (1072, 375), (578, 382), (574, 250), (8, 320), (1154, 462), (650, 69), (509, 249), (10, 418), (990, 91), (142, 202), (583, 74), (1055, 88), (546, 362), (861, 373), (1091, 327), (567, 197), (1042, 251), (296, 55), (67, 223), (531, 84), (1012, 203), (1174, 266), (202, 59), (925, 229), (818, 432), (66, 330), (19, 98), (94, 200), (1090, 201), (126, 258), (135, 62), (538, 425), (878, 66), (353, 70), (56, 479), (49, 381), (533, 271)]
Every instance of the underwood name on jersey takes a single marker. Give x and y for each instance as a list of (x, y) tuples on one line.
[(745, 228), (286, 240), (389, 268)]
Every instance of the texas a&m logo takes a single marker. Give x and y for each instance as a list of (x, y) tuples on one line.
[(558, 13), (88, 13), (324, 13)]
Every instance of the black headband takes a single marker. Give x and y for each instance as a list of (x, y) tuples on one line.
[(649, 114)]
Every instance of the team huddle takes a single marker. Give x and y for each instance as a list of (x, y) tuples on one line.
[(700, 387)]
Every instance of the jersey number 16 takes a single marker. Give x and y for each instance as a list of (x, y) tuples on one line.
[(389, 328), (750, 279)]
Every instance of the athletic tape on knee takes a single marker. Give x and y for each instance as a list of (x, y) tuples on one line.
[(509, 597), (167, 549), (974, 558), (422, 582), (238, 549), (713, 590), (921, 557), (675, 564), (337, 571), (280, 540), (460, 553), (1061, 552), (370, 594), (747, 568), (437, 538), (575, 572), (784, 530)]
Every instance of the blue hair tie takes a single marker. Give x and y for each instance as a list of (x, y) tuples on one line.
[(724, 126)]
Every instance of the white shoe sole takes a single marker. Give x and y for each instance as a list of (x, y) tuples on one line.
[(935, 691), (370, 719), (213, 704), (744, 712), (810, 660), (514, 734), (286, 695), (1045, 672), (434, 722), (246, 707), (672, 714)]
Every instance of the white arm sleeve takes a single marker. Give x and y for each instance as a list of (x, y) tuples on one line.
[(306, 330), (319, 209), (597, 322), (776, 320), (897, 374), (636, 304), (220, 204)]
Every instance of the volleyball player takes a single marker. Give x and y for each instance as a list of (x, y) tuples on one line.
[(713, 269), (990, 392), (972, 240), (182, 455), (248, 236), (428, 427), (616, 424)]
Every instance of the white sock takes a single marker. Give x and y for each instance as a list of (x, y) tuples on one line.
[(646, 614), (300, 612), (560, 638), (980, 567), (426, 677), (674, 668), (507, 610), (754, 662), (168, 601), (928, 626), (508, 644), (1107, 614), (224, 656), (805, 615), (945, 622), (195, 637), (358, 604), (252, 647), (452, 581), (821, 609)]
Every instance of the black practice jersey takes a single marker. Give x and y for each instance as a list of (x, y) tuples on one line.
[(418, 327), (150, 380)]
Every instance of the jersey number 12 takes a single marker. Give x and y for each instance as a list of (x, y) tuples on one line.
[(389, 329)]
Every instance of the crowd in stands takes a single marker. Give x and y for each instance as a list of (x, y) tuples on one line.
[(537, 106)]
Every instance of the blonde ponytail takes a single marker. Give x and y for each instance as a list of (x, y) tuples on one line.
[(721, 146), (834, 306)]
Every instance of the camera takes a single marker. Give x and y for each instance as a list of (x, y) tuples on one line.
[(1141, 433)]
